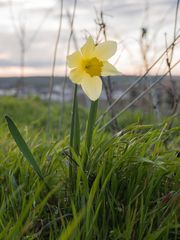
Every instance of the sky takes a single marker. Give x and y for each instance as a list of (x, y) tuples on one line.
[(37, 22)]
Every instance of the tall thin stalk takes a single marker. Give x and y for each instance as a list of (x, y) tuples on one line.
[(51, 81), (25, 45), (68, 49), (138, 97), (74, 139), (169, 62), (138, 80)]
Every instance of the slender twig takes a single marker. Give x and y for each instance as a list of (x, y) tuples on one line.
[(68, 47), (16, 28), (169, 62), (106, 83), (74, 34), (153, 92), (76, 47), (67, 53), (20, 32), (145, 46), (175, 28), (158, 27), (51, 81), (139, 97), (37, 30), (138, 80)]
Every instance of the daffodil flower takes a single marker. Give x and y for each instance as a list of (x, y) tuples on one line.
[(89, 63)]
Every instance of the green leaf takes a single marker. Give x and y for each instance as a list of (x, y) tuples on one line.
[(23, 146), (90, 128), (74, 136), (75, 129)]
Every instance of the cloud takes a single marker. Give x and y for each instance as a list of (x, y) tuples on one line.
[(124, 21)]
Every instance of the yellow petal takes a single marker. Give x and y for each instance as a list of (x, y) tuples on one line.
[(108, 69), (105, 50), (76, 75), (88, 48), (74, 59), (92, 86)]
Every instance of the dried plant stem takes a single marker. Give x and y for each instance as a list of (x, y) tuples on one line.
[(138, 80), (169, 62), (145, 46), (106, 83), (20, 31), (67, 53), (139, 97), (76, 47), (25, 45), (51, 81)]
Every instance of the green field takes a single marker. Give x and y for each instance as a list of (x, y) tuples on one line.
[(129, 188)]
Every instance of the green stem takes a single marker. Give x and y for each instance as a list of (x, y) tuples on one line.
[(73, 117), (90, 128), (74, 135)]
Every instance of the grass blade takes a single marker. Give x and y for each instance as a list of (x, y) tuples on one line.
[(23, 146), (69, 230)]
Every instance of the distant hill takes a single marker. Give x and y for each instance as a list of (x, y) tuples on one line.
[(43, 81)]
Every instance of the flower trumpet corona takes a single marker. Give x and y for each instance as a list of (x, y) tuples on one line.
[(89, 63)]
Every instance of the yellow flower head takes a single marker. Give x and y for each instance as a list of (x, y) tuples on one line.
[(89, 63)]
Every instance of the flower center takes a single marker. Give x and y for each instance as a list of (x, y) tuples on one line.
[(93, 66)]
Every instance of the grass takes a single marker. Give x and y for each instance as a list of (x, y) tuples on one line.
[(32, 112), (128, 190)]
